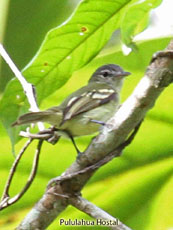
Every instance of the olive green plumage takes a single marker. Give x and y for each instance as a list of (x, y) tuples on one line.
[(97, 101)]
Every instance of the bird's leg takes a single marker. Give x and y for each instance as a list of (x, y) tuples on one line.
[(55, 137), (74, 144), (98, 122)]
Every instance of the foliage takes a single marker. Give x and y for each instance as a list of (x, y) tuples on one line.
[(64, 50), (136, 19), (138, 185)]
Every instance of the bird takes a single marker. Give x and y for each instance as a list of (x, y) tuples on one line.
[(85, 110)]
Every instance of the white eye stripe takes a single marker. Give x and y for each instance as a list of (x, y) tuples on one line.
[(105, 71)]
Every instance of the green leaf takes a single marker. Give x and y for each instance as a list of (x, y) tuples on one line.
[(136, 19), (25, 27), (64, 50)]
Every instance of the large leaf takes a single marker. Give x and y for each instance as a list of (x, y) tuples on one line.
[(65, 49), (136, 19), (25, 28), (3, 14)]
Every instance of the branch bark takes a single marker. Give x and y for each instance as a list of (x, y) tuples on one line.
[(158, 76), (97, 213)]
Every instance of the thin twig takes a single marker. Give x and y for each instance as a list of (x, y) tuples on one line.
[(28, 88), (49, 135), (7, 201), (35, 135), (33, 170), (13, 169)]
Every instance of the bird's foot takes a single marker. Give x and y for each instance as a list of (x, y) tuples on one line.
[(79, 154), (52, 135), (98, 122)]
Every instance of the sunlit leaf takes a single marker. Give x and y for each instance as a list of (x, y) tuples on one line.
[(64, 50), (136, 19), (26, 24)]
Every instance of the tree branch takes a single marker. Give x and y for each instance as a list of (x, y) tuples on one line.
[(97, 213), (91, 168), (158, 76)]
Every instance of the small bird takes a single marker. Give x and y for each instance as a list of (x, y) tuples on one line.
[(88, 108)]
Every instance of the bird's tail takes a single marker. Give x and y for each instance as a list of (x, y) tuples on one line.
[(33, 117)]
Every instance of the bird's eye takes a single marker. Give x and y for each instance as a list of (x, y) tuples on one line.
[(106, 73)]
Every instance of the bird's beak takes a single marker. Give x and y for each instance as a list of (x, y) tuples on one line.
[(122, 74), (125, 74)]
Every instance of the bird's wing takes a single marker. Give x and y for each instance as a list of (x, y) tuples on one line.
[(87, 101)]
